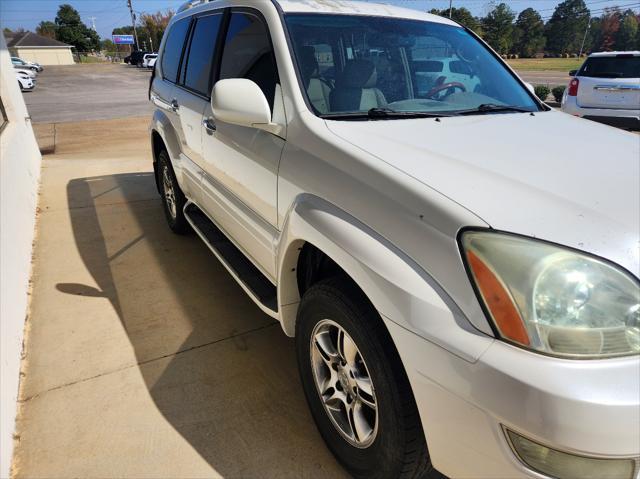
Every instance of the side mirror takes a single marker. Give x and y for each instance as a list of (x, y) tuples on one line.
[(241, 102), (530, 87), (573, 73)]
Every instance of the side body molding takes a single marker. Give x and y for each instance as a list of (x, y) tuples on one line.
[(398, 288)]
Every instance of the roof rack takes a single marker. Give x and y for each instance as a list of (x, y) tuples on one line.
[(191, 4)]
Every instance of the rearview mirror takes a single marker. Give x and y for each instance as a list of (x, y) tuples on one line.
[(573, 73), (241, 102)]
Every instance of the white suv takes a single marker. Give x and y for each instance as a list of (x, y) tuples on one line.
[(457, 262), (606, 89)]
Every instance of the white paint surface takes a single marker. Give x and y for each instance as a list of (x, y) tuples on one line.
[(19, 176)]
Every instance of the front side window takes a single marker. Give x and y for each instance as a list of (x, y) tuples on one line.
[(201, 52), (173, 49), (248, 54), (620, 66), (350, 63)]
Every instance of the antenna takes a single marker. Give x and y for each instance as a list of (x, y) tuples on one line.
[(93, 23)]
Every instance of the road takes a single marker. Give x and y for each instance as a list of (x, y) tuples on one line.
[(89, 92), (548, 77)]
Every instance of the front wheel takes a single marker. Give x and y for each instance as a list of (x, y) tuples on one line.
[(356, 387)]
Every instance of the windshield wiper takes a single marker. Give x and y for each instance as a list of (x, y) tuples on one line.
[(382, 114), (491, 108)]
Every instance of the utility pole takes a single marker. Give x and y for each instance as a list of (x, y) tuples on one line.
[(133, 23), (151, 41), (585, 36), (93, 23), (450, 7)]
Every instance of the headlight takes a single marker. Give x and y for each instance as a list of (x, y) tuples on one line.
[(554, 300)]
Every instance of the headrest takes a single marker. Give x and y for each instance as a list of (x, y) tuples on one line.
[(308, 61), (359, 74)]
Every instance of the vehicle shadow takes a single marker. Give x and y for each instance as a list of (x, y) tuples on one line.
[(220, 371)]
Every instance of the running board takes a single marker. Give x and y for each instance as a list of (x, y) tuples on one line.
[(256, 284)]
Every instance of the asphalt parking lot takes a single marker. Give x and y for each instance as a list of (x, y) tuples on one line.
[(89, 92)]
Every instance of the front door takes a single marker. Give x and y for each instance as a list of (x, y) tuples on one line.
[(240, 163)]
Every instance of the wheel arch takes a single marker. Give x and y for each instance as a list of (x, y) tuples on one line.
[(163, 137), (399, 289)]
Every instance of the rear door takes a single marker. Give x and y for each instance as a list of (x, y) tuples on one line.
[(193, 89), (164, 91), (611, 81)]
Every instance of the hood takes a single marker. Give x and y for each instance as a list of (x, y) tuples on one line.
[(548, 175)]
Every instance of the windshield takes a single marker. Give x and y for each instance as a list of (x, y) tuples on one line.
[(620, 66), (353, 64)]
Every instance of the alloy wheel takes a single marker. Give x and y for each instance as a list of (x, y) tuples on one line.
[(344, 384), (169, 192)]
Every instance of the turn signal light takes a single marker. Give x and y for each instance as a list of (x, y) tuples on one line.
[(573, 87)]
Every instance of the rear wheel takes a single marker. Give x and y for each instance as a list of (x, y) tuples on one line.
[(356, 387), (173, 200)]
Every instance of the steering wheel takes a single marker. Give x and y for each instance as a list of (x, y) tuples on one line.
[(446, 86)]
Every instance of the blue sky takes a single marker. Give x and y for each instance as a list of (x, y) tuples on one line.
[(114, 13)]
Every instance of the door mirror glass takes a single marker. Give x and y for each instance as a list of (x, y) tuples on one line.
[(240, 101)]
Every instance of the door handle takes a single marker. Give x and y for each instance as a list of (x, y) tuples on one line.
[(174, 105), (209, 125)]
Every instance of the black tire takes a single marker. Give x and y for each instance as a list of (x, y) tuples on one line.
[(175, 215), (399, 448)]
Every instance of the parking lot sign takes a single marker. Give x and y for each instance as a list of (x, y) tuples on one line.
[(123, 39)]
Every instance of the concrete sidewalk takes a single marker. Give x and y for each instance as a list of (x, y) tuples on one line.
[(143, 357)]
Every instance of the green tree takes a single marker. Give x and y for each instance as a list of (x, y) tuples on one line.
[(107, 46), (498, 28), (528, 33), (154, 25), (565, 30), (461, 15), (71, 30), (609, 26), (594, 35), (628, 32), (47, 28)]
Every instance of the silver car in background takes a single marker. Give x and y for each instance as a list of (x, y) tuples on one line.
[(606, 89)]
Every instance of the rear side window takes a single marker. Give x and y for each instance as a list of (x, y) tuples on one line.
[(621, 66), (248, 54), (173, 49), (201, 53)]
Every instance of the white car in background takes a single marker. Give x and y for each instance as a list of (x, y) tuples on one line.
[(152, 62), (30, 73), (25, 81), (606, 89), (147, 58)]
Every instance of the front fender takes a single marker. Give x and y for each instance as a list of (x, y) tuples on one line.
[(398, 288)]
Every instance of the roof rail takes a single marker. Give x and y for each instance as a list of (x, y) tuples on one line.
[(191, 4)]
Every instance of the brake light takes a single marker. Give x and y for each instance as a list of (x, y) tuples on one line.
[(573, 87)]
